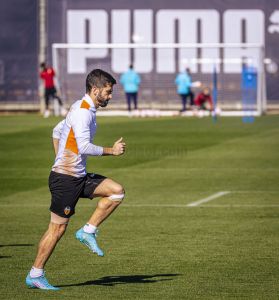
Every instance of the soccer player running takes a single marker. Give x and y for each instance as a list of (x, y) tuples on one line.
[(68, 180)]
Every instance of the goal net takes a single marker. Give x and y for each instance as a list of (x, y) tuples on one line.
[(234, 73)]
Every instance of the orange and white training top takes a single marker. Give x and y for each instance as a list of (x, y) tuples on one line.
[(75, 135)]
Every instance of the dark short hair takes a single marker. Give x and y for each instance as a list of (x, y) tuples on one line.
[(99, 79), (43, 65)]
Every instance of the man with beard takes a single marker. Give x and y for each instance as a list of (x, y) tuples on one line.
[(69, 181)]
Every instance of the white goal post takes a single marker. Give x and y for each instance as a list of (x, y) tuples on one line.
[(158, 65)]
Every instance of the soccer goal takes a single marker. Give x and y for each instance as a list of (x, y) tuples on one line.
[(234, 73)]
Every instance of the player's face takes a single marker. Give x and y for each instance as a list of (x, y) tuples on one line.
[(206, 92), (104, 95)]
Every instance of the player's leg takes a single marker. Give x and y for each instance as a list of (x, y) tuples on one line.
[(65, 191), (50, 239), (57, 97), (204, 106), (47, 95), (36, 277), (111, 193), (186, 99), (46, 99), (136, 100), (63, 111), (192, 96), (183, 99), (128, 97)]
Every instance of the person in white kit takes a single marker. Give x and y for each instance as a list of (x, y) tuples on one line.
[(69, 181)]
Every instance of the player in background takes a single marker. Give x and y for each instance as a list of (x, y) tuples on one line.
[(47, 74), (68, 181), (190, 93), (130, 81), (183, 82), (203, 100)]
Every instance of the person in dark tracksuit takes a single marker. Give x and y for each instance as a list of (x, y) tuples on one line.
[(190, 94), (183, 83), (47, 74), (130, 81)]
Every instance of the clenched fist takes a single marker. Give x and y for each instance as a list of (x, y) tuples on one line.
[(119, 147)]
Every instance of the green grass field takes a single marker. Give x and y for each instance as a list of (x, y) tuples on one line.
[(156, 247)]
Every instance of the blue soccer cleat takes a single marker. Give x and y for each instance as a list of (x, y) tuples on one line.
[(89, 239), (39, 283)]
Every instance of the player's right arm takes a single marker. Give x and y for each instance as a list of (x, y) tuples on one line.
[(56, 134)]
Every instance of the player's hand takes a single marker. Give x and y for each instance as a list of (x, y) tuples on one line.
[(118, 147), (196, 84)]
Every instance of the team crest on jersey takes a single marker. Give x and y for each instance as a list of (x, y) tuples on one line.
[(67, 210)]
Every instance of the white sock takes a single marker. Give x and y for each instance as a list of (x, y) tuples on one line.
[(89, 228), (35, 272)]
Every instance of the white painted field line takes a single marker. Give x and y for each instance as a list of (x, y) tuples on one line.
[(240, 205), (207, 199)]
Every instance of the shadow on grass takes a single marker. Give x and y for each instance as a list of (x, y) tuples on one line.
[(17, 245), (14, 245), (127, 279)]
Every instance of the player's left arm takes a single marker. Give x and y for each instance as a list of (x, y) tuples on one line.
[(117, 149), (81, 127), (138, 79)]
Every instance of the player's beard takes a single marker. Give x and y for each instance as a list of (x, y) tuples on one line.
[(102, 102)]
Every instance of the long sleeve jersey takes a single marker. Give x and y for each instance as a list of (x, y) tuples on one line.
[(130, 81), (47, 75), (75, 135), (201, 99), (183, 83)]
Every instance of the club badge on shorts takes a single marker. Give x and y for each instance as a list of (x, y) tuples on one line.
[(67, 210)]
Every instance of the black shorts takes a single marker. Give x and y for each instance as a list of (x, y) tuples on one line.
[(50, 92), (66, 190)]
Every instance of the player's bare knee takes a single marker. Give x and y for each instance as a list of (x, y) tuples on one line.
[(115, 188), (117, 194)]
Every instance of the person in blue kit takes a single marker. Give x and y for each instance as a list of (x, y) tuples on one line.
[(183, 82), (130, 81), (249, 91)]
